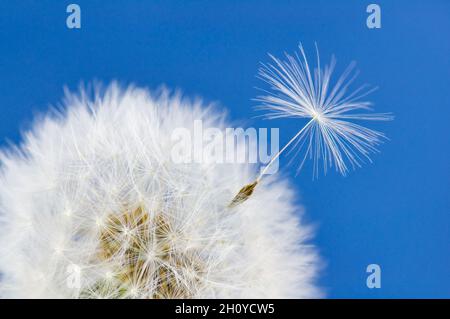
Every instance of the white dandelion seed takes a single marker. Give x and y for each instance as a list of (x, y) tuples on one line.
[(330, 135), (94, 189)]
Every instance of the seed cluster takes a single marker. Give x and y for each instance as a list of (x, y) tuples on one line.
[(144, 258)]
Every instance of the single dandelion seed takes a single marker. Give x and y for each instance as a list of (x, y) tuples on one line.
[(330, 136)]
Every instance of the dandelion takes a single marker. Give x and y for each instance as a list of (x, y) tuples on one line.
[(93, 206), (330, 136)]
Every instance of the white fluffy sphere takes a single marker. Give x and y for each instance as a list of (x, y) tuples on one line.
[(93, 206)]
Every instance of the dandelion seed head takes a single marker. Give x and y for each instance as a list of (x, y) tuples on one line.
[(141, 225)]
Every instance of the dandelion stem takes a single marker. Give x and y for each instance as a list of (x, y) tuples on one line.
[(282, 150), (246, 191)]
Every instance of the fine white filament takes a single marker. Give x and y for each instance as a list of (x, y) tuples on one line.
[(330, 136)]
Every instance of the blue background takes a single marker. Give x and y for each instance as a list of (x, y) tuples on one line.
[(394, 212)]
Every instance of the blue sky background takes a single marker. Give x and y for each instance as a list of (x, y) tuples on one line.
[(394, 212)]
